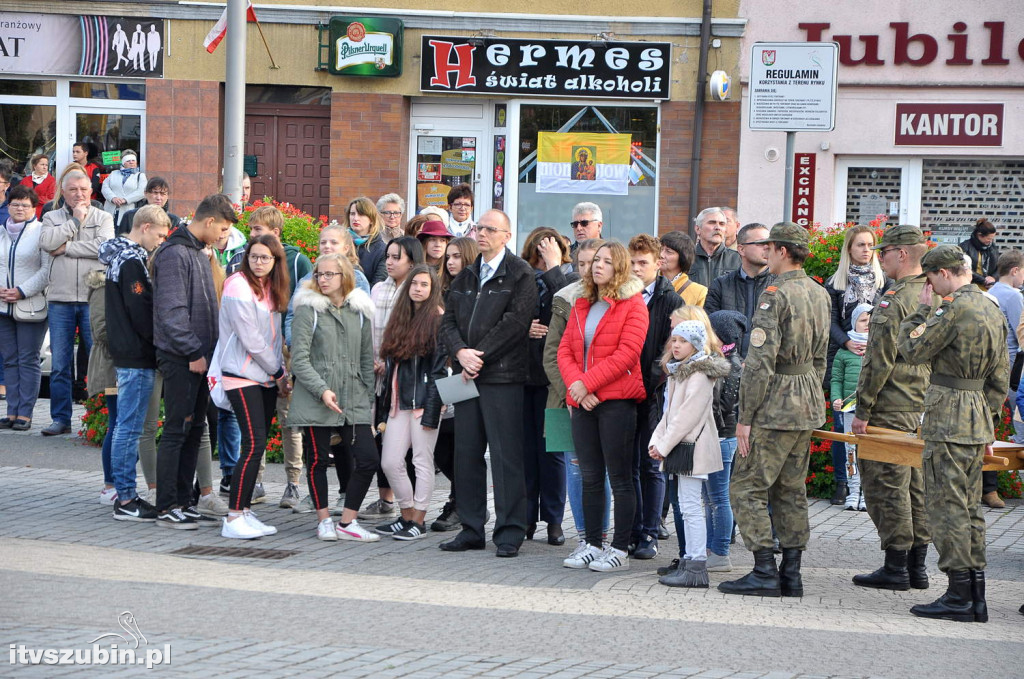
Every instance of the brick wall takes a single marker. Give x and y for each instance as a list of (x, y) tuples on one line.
[(369, 147), (719, 159), (183, 132)]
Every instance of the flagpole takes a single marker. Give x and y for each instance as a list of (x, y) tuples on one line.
[(260, 28), (234, 99)]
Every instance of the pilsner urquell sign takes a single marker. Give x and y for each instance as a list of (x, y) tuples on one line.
[(366, 46)]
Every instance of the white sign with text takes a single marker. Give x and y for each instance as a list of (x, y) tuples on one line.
[(793, 86)]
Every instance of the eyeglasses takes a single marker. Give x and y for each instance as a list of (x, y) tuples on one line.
[(325, 275), (881, 253), (490, 230), (261, 259), (582, 222), (20, 206), (464, 206), (391, 213)]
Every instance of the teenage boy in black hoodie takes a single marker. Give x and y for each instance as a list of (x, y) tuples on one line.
[(128, 297), (185, 334)]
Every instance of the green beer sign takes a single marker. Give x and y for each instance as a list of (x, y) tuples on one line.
[(366, 46)]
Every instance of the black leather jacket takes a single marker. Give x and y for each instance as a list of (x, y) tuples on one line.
[(727, 398), (494, 320), (416, 384), (736, 292), (989, 256)]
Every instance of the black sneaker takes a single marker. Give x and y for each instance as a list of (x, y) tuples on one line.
[(201, 519), (411, 531), (225, 485), (448, 519), (136, 510), (175, 518), (392, 527), (647, 548), (669, 569)]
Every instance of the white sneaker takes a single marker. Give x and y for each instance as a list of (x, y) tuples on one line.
[(611, 559), (108, 496), (212, 505), (582, 556), (325, 531), (239, 529), (355, 532), (257, 524)]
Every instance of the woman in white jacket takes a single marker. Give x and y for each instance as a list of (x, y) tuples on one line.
[(125, 187), (251, 367), (693, 362)]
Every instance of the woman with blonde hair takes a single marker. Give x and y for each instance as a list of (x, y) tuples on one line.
[(599, 360), (367, 229), (858, 280)]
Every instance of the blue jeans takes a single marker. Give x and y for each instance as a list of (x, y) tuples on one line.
[(838, 449), (20, 343), (64, 318), (108, 438), (134, 386), (574, 487), (717, 510), (229, 441)]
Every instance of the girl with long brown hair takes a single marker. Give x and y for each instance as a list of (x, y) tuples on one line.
[(367, 229), (249, 355), (461, 252), (413, 362)]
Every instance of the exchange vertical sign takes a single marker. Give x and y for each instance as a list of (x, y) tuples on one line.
[(803, 189)]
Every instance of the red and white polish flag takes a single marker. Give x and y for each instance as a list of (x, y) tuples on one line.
[(220, 29)]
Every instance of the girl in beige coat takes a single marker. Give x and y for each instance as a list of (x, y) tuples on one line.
[(693, 367)]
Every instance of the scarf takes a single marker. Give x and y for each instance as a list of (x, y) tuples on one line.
[(542, 287), (357, 239), (861, 337), (117, 251), (128, 172), (14, 228), (39, 178), (860, 285)]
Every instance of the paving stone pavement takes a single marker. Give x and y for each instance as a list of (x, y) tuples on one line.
[(67, 571)]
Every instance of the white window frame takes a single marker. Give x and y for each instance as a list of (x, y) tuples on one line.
[(910, 184)]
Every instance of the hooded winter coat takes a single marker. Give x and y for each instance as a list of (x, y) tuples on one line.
[(689, 415), (611, 368), (332, 348)]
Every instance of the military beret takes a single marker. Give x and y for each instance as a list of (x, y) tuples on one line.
[(901, 234), (943, 257), (785, 232)]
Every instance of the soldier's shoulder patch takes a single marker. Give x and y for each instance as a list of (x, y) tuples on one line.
[(890, 292), (758, 337), (940, 311), (884, 304), (947, 298), (917, 332), (765, 306), (771, 288)]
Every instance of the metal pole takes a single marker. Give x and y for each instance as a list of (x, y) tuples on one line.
[(698, 114), (787, 199), (234, 100)]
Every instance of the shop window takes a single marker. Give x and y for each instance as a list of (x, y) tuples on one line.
[(33, 88), (287, 94), (956, 192), (111, 132), (26, 130), (97, 90), (624, 215), (872, 191)]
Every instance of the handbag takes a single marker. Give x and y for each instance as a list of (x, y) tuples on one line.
[(680, 460), (30, 310)]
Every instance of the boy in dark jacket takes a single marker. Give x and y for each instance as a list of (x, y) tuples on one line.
[(128, 297), (184, 335)]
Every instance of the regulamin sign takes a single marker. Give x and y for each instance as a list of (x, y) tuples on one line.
[(556, 68)]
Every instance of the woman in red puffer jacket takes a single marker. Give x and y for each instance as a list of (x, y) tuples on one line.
[(599, 359)]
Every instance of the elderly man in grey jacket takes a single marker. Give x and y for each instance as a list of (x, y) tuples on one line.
[(72, 235)]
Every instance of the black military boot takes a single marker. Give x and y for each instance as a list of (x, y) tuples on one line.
[(956, 604), (978, 596), (892, 575), (762, 581), (916, 568), (789, 573)]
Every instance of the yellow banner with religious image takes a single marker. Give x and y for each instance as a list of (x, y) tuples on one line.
[(583, 162)]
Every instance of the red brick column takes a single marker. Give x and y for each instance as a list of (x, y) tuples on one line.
[(183, 133), (369, 147)]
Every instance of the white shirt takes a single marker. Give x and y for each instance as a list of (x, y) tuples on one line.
[(493, 264), (649, 291)]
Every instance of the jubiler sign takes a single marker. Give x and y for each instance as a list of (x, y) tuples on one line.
[(557, 68)]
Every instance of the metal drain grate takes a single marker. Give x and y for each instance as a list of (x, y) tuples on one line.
[(239, 552)]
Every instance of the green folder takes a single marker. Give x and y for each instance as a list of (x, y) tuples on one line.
[(557, 430)]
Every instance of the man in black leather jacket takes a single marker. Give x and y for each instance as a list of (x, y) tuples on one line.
[(740, 290)]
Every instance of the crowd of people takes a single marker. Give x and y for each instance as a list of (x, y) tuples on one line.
[(630, 379)]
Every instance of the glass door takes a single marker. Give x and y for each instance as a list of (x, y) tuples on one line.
[(444, 160)]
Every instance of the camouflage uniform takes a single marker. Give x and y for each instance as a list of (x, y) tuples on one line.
[(890, 393), (965, 343), (781, 398)]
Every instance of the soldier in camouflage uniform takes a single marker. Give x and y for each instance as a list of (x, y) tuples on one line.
[(781, 401), (965, 343), (890, 393)]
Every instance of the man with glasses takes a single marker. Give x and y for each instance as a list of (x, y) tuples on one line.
[(890, 394), (486, 329), (460, 204), (739, 290), (156, 193), (391, 208), (586, 223), (713, 258), (72, 235)]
